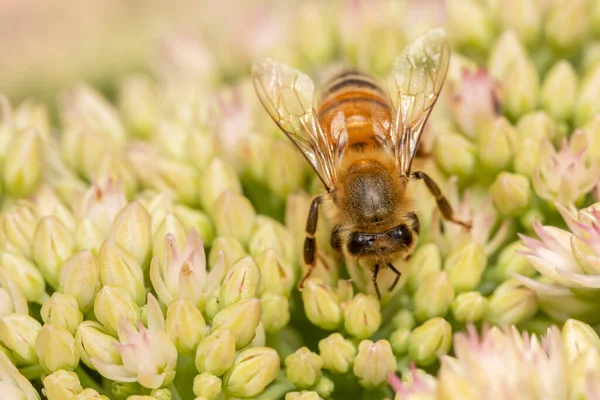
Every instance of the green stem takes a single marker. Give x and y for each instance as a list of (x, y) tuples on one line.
[(88, 382), (32, 372), (174, 392)]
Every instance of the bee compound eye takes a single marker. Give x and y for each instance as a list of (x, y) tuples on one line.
[(401, 234)]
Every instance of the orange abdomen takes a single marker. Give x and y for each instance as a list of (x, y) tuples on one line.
[(354, 102)]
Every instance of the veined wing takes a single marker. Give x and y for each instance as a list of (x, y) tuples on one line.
[(288, 96), (418, 76)]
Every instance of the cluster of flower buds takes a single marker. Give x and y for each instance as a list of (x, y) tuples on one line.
[(153, 247)]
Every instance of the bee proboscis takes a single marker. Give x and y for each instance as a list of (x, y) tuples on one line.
[(361, 143)]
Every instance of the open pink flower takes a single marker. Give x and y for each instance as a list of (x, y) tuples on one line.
[(183, 274), (564, 176)]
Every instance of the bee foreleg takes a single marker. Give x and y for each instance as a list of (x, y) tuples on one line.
[(398, 275), (442, 202), (374, 278), (310, 243)]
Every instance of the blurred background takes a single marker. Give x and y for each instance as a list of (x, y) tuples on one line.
[(49, 45)]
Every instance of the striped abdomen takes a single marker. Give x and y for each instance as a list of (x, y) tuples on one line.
[(363, 107)]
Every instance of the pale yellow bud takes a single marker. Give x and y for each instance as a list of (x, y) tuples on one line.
[(24, 164)]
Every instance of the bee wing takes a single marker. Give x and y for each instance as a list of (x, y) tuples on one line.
[(418, 76), (288, 96)]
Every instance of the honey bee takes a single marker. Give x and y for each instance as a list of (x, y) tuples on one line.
[(361, 143)]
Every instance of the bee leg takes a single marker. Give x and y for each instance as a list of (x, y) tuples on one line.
[(398, 275), (310, 243), (375, 273), (441, 201)]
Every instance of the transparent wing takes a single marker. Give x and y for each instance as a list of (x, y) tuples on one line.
[(288, 96), (418, 76)]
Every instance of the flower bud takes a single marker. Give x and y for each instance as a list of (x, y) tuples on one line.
[(131, 231), (138, 104), (510, 262), (578, 338), (230, 248), (200, 148), (62, 310), (275, 312), (523, 18), (374, 362), (195, 219), (587, 105), (88, 236), (31, 114), (303, 395), (62, 384), (234, 216), (290, 174), (399, 341), (404, 319), (337, 353), (446, 150), (241, 282), (429, 341), (506, 49), (426, 260), (18, 333), (510, 304), (251, 372), (185, 326), (25, 275), (303, 368), (217, 178), (207, 385), (562, 78), (154, 170), (527, 156), (80, 278), (469, 307), (270, 234), (520, 87), (216, 352), (93, 342), (170, 224), (277, 275), (496, 145), (538, 126), (55, 348), (470, 23), (241, 319), (321, 305), (119, 269), (24, 164), (567, 26), (511, 193), (465, 266), (324, 387), (53, 243), (114, 166), (433, 296), (18, 225), (112, 305), (362, 316), (592, 134), (11, 299)]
